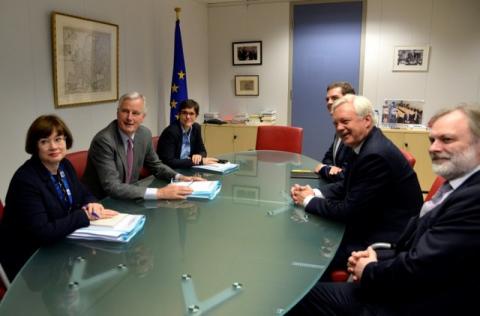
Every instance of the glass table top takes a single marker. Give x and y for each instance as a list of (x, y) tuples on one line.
[(249, 251)]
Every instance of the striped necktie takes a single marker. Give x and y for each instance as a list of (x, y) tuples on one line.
[(437, 198)]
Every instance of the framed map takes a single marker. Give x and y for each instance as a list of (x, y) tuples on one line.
[(85, 60)]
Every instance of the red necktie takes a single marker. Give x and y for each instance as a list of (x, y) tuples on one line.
[(129, 160)]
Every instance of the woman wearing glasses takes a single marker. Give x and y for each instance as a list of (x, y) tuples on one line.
[(45, 200), (181, 144)]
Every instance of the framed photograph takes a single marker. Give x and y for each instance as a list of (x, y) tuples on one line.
[(85, 60), (247, 53), (246, 85), (399, 113), (246, 194), (247, 165), (410, 58)]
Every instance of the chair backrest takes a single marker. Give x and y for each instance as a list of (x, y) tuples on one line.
[(79, 161), (144, 171), (437, 183), (283, 138), (411, 160)]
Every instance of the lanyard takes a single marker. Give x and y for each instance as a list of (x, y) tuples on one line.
[(62, 188)]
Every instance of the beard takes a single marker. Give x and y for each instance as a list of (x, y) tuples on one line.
[(459, 163)]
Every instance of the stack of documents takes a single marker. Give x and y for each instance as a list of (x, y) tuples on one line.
[(218, 167), (120, 228), (203, 189), (303, 173)]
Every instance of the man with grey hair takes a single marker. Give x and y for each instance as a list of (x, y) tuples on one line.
[(380, 191), (118, 152), (433, 268)]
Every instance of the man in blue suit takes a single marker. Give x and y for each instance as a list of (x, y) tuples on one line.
[(380, 191), (335, 160), (432, 270)]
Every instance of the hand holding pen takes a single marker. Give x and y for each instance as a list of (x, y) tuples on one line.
[(96, 211)]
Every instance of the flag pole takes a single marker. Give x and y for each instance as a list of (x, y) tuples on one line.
[(177, 12)]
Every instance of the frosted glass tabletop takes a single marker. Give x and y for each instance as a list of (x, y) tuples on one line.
[(249, 251)]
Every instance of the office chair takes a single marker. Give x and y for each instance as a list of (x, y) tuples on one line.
[(144, 172), (281, 138), (411, 160), (79, 161), (343, 275), (4, 282), (437, 183)]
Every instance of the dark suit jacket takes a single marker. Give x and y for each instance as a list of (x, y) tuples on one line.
[(170, 145), (34, 216), (435, 267), (379, 194), (342, 158), (107, 163)]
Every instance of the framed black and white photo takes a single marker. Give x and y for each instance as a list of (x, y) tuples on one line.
[(85, 60), (247, 53), (410, 58), (246, 85)]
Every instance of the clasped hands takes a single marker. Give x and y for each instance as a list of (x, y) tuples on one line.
[(359, 260), (96, 211), (300, 192)]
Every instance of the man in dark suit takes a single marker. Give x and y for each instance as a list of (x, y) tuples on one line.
[(181, 144), (433, 268), (110, 171), (335, 161), (380, 191)]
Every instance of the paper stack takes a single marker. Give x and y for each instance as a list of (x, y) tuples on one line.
[(240, 118), (269, 116), (211, 115), (222, 168), (203, 189), (120, 228)]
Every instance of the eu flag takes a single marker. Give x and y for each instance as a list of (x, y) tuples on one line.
[(178, 91)]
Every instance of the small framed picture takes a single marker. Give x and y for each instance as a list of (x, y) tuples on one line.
[(410, 58), (247, 53), (246, 85)]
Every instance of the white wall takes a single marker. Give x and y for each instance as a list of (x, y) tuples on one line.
[(450, 27), (266, 22), (146, 30)]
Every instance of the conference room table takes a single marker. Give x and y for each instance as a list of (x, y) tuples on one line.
[(249, 251)]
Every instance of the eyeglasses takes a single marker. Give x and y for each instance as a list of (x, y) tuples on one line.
[(188, 113), (58, 140)]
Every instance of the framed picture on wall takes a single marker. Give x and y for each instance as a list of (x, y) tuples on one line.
[(247, 53), (246, 85), (85, 60), (410, 58)]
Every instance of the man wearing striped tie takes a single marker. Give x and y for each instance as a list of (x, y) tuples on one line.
[(432, 269)]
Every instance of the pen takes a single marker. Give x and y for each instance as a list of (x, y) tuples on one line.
[(95, 214)]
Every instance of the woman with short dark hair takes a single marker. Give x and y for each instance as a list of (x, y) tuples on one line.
[(45, 200)]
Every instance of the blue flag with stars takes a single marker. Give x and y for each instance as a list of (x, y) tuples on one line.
[(178, 90)]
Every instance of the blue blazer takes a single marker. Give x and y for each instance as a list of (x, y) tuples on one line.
[(376, 199), (170, 145), (434, 271), (34, 215), (342, 157)]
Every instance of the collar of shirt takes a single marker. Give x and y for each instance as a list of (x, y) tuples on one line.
[(186, 132), (125, 139), (357, 149), (455, 183)]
